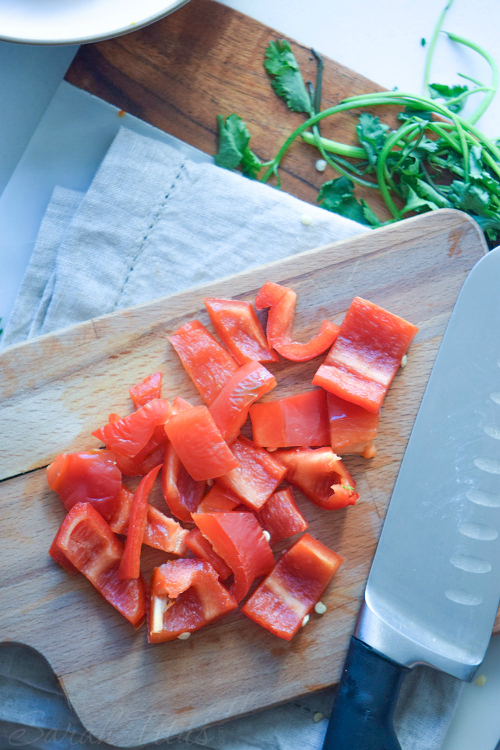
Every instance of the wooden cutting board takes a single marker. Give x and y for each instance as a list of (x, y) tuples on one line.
[(56, 389)]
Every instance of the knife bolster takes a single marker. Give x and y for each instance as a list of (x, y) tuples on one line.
[(362, 715)]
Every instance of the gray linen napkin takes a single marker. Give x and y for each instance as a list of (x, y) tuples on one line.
[(154, 223)]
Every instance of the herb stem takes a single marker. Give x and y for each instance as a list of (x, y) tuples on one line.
[(431, 47), (494, 75)]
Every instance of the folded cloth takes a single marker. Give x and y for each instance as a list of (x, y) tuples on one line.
[(153, 223)]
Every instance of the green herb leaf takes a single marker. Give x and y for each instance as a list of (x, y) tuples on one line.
[(470, 197), (417, 204), (234, 151), (372, 135), (338, 196), (287, 81), (413, 113), (370, 216), (441, 91)]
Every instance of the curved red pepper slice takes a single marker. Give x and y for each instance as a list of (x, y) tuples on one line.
[(256, 477), (218, 500), (281, 300), (294, 421), (366, 355), (185, 596), (240, 330), (352, 428), (238, 539), (89, 544), (91, 477), (130, 565), (321, 476), (296, 584), (201, 547), (131, 434), (280, 516), (230, 408), (146, 390), (206, 362)]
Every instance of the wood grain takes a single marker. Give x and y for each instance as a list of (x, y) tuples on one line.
[(54, 390), (207, 59)]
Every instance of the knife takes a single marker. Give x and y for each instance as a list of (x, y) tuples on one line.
[(434, 585)]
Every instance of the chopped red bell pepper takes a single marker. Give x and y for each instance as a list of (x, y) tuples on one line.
[(89, 544), (256, 477), (181, 492), (185, 596), (60, 558), (147, 458), (283, 599), (131, 434), (280, 517), (118, 523), (352, 428), (366, 355), (199, 444), (218, 500), (240, 330), (321, 476), (206, 362), (130, 565), (238, 539), (230, 408), (92, 477), (281, 300), (146, 390), (201, 547), (300, 420)]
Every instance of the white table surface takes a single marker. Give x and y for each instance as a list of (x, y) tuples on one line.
[(378, 38)]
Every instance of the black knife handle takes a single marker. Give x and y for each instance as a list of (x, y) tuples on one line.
[(362, 716)]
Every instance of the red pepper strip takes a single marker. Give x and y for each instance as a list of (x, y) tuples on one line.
[(118, 523), (296, 584), (256, 477), (364, 359), (198, 598), (238, 539), (182, 494), (60, 558), (130, 435), (280, 517), (300, 420), (201, 547), (352, 428), (230, 408), (321, 476), (199, 444), (207, 363), (89, 544), (91, 477), (240, 330), (130, 565), (281, 300), (218, 500), (146, 390)]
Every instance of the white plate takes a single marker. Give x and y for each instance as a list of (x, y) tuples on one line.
[(74, 21)]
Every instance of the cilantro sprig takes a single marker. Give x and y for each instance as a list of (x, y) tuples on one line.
[(422, 165)]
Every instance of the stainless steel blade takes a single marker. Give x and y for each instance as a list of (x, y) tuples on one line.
[(434, 585)]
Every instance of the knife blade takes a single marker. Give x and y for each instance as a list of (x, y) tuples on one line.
[(434, 585)]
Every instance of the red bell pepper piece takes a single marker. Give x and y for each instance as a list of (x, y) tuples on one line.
[(218, 500), (199, 444), (366, 355), (130, 565), (240, 330), (60, 558), (201, 547), (92, 477), (238, 539), (147, 458), (321, 476), (283, 599), (352, 428), (89, 544), (300, 420), (207, 363), (280, 517), (130, 435), (256, 477), (118, 523), (185, 596), (281, 300), (146, 390), (230, 408)]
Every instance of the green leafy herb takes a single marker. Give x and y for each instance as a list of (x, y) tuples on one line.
[(338, 196), (449, 93), (234, 151), (372, 135), (286, 77), (423, 42)]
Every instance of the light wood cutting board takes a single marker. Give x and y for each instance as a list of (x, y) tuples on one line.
[(56, 389)]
